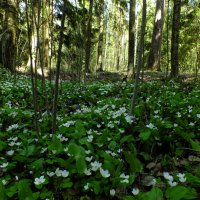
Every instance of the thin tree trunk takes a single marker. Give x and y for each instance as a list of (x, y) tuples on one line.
[(55, 102), (131, 45), (175, 38), (154, 55), (140, 54), (34, 85), (167, 68)]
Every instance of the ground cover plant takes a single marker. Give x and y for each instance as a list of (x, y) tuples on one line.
[(99, 151)]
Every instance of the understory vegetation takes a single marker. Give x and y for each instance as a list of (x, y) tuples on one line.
[(99, 150)]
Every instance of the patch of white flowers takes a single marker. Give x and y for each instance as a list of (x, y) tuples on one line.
[(12, 127), (125, 178), (39, 180)]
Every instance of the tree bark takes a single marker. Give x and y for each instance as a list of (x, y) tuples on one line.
[(88, 40), (55, 101), (154, 55), (131, 45), (140, 55), (8, 44), (175, 38)]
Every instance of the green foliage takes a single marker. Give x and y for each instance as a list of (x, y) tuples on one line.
[(100, 151)]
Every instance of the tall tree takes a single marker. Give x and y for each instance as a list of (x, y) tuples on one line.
[(175, 38), (9, 33), (154, 55), (88, 39), (131, 45)]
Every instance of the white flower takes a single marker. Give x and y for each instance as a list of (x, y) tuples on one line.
[(124, 181), (39, 181), (135, 191), (90, 138), (104, 173), (124, 176), (87, 172), (181, 177), (95, 165), (151, 126), (86, 187), (58, 172), (11, 127), (129, 119), (12, 143), (171, 183), (4, 165), (64, 173), (4, 182), (89, 158), (10, 153), (50, 174), (178, 114), (175, 125), (168, 176), (112, 192), (198, 115), (191, 124)]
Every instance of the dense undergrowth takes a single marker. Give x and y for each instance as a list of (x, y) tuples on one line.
[(99, 151)]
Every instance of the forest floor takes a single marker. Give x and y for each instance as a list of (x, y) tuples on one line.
[(99, 150)]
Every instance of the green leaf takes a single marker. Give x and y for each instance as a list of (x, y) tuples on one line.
[(145, 135), (24, 190), (195, 145), (38, 164), (134, 163), (193, 179), (2, 145), (12, 190), (56, 144), (154, 194), (129, 198), (2, 192), (76, 150), (180, 192), (81, 164), (66, 183)]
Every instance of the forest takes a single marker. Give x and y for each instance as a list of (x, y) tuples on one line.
[(99, 99)]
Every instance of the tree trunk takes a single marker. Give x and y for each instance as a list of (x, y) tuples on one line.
[(175, 38), (88, 39), (99, 66), (55, 101), (131, 47), (140, 55), (154, 55), (8, 44)]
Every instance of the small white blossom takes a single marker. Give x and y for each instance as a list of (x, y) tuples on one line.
[(10, 152), (4, 182), (112, 192), (171, 183), (50, 174), (135, 191), (86, 187), (87, 172), (168, 176), (90, 138), (181, 177), (89, 158), (39, 181), (178, 114), (4, 165), (175, 125), (151, 126), (64, 173), (104, 173), (95, 165), (198, 115), (191, 124)]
